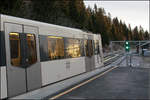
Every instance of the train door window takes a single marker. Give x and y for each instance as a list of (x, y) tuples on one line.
[(55, 47), (15, 49), (31, 43)]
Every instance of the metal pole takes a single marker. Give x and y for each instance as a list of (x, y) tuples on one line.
[(127, 59), (111, 47), (139, 48), (130, 60)]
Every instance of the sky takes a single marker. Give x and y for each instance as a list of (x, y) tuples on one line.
[(135, 13)]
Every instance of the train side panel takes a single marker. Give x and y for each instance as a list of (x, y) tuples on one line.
[(3, 80), (53, 71)]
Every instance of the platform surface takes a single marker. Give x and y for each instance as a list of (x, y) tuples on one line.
[(120, 83)]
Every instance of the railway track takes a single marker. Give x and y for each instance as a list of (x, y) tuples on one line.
[(111, 58)]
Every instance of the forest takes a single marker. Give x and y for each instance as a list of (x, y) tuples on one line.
[(73, 13)]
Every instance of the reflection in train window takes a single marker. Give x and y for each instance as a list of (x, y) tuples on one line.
[(15, 49), (77, 49), (72, 48), (69, 48), (81, 42), (55, 47), (32, 54)]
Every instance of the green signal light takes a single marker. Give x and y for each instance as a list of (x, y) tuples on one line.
[(127, 42), (127, 47)]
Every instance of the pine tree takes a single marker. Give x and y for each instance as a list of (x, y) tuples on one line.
[(135, 33), (146, 35), (11, 7)]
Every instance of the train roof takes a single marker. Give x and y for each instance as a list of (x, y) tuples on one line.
[(30, 22)]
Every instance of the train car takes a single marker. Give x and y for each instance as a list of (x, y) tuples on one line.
[(35, 54)]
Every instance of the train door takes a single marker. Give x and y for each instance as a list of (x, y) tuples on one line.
[(89, 58), (23, 65), (33, 70)]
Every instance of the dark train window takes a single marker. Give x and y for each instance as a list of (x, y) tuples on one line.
[(2, 49), (91, 51), (86, 47), (32, 54), (55, 47), (44, 56), (88, 44), (96, 47), (15, 49)]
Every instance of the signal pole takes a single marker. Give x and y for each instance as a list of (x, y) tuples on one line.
[(127, 49)]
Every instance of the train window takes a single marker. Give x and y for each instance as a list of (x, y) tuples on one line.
[(82, 47), (98, 50), (32, 54), (76, 48), (90, 47), (96, 47), (55, 47), (2, 50), (43, 48), (69, 52), (73, 48), (88, 44), (15, 49), (86, 47)]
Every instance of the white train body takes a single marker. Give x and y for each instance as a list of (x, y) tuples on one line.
[(35, 54)]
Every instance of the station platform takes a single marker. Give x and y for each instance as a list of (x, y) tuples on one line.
[(120, 83), (51, 90)]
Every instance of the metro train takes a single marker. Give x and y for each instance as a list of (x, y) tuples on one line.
[(35, 54)]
